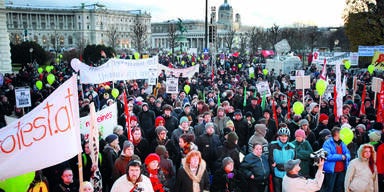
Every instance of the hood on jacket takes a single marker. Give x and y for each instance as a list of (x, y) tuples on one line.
[(360, 152)]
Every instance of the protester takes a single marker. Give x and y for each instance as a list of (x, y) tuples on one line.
[(227, 178), (294, 182), (303, 150), (361, 173), (87, 187), (127, 154), (255, 167), (133, 179), (336, 163), (166, 166), (192, 176), (153, 172), (110, 154), (67, 184)]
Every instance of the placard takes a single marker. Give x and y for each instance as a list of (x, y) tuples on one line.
[(303, 82), (376, 84), (263, 88), (23, 97), (172, 85)]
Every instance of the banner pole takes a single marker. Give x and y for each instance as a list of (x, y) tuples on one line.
[(80, 166)]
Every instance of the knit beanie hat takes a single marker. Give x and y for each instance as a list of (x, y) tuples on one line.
[(159, 120), (110, 138), (117, 128), (232, 137), (377, 126), (183, 119), (303, 122), (159, 129), (152, 157), (300, 133), (210, 124), (226, 161), (325, 132), (261, 129), (374, 136), (323, 117), (133, 118), (229, 123)]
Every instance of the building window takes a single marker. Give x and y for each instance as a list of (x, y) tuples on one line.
[(70, 40)]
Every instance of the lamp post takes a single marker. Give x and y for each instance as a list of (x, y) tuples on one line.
[(206, 25)]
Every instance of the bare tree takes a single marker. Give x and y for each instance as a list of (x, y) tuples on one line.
[(228, 39), (81, 43), (273, 34), (112, 35), (139, 36), (313, 35), (256, 37), (172, 36), (243, 42)]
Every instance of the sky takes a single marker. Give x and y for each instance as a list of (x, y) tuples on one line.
[(264, 13)]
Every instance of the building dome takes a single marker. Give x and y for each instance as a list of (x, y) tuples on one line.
[(225, 6)]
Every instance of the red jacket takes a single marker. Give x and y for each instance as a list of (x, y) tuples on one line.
[(380, 159)]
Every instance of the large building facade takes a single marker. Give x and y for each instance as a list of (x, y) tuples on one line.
[(62, 28)]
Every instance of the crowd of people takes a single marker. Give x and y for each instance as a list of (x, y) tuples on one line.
[(221, 134)]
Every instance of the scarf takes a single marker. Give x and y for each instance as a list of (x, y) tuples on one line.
[(156, 183), (195, 178)]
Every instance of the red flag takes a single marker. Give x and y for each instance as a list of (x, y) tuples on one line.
[(380, 105), (274, 113), (335, 104), (362, 107), (290, 94), (127, 120), (323, 74)]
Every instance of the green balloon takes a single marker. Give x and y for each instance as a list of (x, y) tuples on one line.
[(265, 71), (371, 68), (187, 88), (347, 64), (19, 183), (60, 56), (346, 135), (40, 70), (51, 78), (321, 86), (136, 55), (39, 85), (115, 93), (48, 68), (298, 108)]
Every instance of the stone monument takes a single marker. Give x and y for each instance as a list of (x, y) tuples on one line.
[(5, 49)]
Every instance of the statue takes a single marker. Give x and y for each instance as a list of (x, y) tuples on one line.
[(182, 28)]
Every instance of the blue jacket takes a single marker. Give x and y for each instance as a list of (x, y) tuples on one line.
[(280, 153), (332, 157)]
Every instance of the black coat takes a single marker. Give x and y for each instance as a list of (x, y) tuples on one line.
[(221, 182)]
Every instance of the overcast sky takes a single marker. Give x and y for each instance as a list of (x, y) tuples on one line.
[(253, 12)]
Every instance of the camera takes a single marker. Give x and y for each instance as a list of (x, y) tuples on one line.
[(317, 155)]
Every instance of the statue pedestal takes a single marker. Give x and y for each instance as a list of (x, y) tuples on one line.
[(5, 49)]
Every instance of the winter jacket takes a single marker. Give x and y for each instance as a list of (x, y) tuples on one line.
[(380, 159), (258, 138), (171, 123), (147, 123), (121, 163), (332, 157), (242, 130), (303, 150), (256, 166), (280, 153), (230, 149), (359, 177), (222, 181), (122, 184), (208, 145), (296, 183), (185, 184)]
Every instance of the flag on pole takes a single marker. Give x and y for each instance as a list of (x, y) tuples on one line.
[(275, 113), (380, 105), (218, 100), (127, 117), (263, 101), (323, 74), (94, 147), (335, 104), (245, 96), (339, 88), (363, 95)]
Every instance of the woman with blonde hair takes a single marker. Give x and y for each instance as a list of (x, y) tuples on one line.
[(362, 171), (192, 175), (87, 186)]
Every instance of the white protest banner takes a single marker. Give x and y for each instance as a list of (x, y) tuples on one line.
[(115, 69), (336, 57), (376, 84), (263, 88), (106, 120), (172, 85), (23, 97), (46, 136), (187, 72)]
